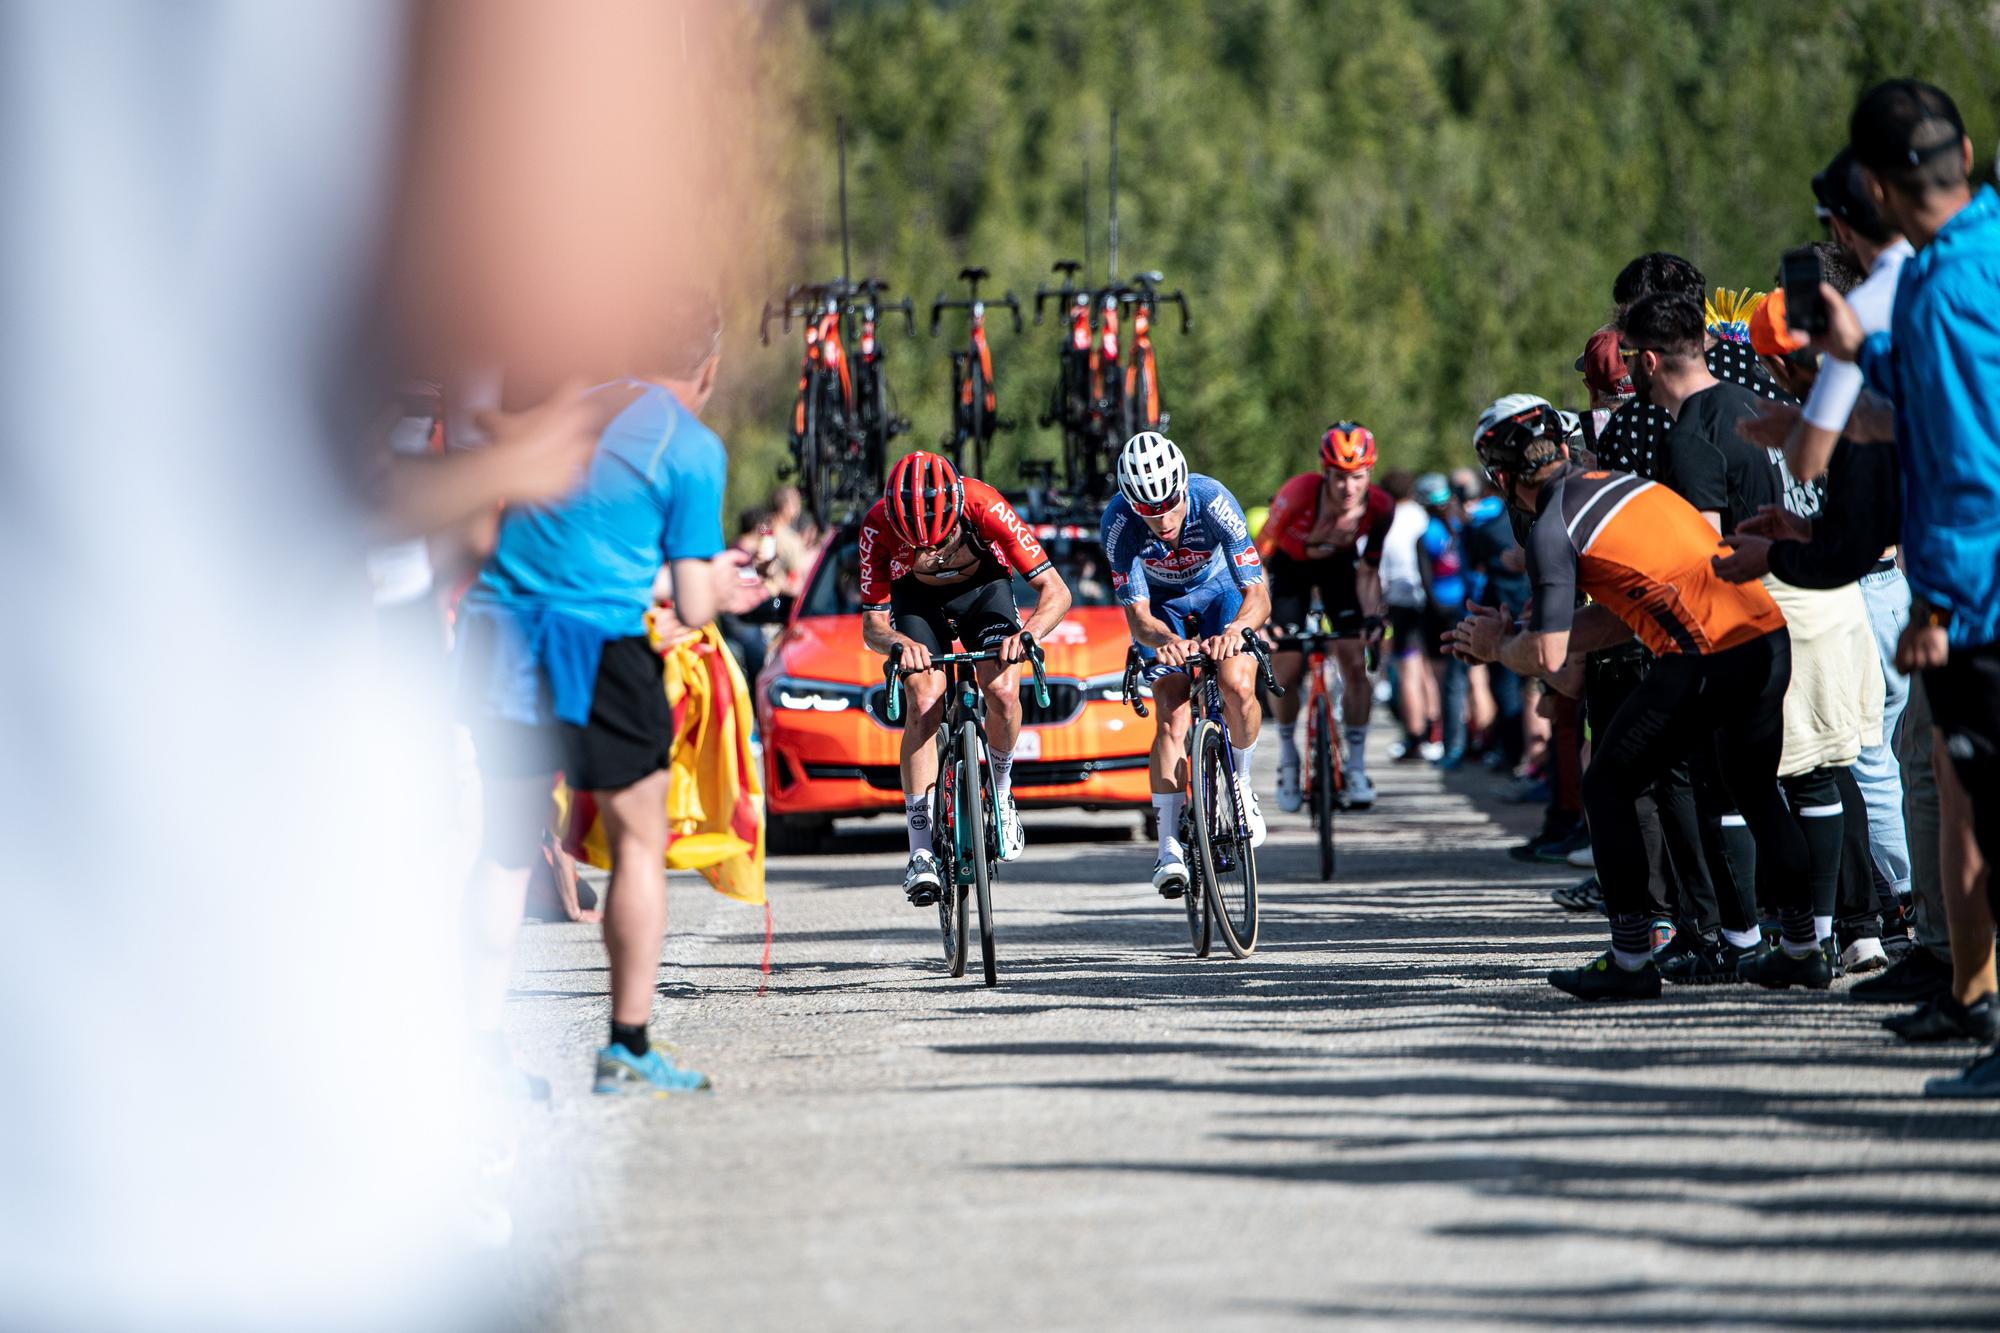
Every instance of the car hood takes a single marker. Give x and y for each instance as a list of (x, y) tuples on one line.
[(1091, 641)]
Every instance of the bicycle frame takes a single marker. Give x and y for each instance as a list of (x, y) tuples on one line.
[(974, 393)]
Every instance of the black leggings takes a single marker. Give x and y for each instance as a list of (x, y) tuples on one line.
[(1732, 703)]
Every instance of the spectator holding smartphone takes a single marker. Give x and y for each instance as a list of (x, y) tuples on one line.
[(1939, 364)]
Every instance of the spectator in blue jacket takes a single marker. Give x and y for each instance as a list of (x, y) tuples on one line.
[(1939, 365), (1441, 561)]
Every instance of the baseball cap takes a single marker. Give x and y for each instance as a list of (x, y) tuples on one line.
[(1769, 335), (1839, 191), (1433, 489), (1603, 370), (1903, 123)]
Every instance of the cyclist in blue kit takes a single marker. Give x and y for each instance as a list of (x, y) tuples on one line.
[(1179, 546)]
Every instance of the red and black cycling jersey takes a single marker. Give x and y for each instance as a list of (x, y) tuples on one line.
[(990, 523), (1295, 524), (1644, 554)]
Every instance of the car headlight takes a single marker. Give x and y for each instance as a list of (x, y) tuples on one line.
[(1111, 689), (813, 696)]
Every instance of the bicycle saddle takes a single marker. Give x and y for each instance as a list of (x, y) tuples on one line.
[(972, 274)]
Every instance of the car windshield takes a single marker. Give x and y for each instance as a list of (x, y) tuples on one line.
[(836, 586)]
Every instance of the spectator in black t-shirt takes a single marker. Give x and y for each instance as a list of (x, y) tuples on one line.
[(1701, 456), (1630, 440)]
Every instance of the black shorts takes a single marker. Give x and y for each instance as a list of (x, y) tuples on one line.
[(1406, 630), (1293, 583), (629, 736), (977, 614)]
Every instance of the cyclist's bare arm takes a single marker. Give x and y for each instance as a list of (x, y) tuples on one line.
[(1052, 602), (1148, 631), (1594, 629), (1255, 611), (1368, 587), (878, 632)]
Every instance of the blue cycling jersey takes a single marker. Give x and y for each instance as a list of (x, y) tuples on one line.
[(1215, 537)]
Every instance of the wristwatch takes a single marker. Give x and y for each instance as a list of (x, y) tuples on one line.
[(1933, 617)]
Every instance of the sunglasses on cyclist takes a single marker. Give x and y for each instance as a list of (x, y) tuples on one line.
[(1160, 510)]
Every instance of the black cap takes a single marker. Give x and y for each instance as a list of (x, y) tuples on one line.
[(1843, 194), (1900, 125)]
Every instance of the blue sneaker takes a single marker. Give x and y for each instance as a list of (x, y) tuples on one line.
[(618, 1070)]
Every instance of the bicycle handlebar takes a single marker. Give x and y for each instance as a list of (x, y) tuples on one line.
[(1134, 661), (1319, 629), (940, 305), (893, 671)]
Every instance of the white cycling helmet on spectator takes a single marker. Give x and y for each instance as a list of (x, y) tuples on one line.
[(1152, 473)]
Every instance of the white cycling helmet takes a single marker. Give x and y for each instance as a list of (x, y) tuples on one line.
[(1504, 408), (1151, 470)]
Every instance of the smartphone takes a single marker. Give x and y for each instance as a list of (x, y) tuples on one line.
[(1799, 274)]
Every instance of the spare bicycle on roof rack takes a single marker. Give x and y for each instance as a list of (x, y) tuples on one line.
[(843, 417), (974, 394)]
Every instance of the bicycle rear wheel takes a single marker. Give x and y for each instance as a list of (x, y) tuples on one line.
[(1228, 861), (944, 834), (972, 806), (1324, 802)]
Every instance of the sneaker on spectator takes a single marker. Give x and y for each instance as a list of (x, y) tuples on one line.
[(1432, 751), (1582, 858), (1603, 979), (1981, 1078), (1555, 829), (1919, 975), (1557, 852), (1587, 896), (1702, 962), (1862, 956), (1943, 1018), (1527, 791)]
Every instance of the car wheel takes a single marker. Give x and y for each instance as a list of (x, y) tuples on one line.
[(795, 835)]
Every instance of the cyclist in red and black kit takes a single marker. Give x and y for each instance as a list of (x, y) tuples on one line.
[(1325, 533), (938, 556)]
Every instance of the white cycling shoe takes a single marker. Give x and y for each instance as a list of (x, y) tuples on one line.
[(1013, 840), (922, 882), (1291, 798), (1170, 874), (1358, 791), (1256, 818)]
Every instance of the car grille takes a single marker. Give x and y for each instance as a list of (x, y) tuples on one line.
[(1027, 772), (1065, 703)]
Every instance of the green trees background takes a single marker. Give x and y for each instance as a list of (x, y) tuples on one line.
[(1392, 210)]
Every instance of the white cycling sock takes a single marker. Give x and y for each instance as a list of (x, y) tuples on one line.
[(1743, 939), (1288, 744), (917, 814), (1003, 774), (1167, 806), (1243, 753), (1357, 749)]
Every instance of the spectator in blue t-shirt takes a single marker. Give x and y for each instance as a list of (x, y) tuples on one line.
[(1441, 562), (556, 672), (1939, 365)]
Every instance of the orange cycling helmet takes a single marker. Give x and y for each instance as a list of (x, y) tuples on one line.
[(1347, 446), (924, 499)]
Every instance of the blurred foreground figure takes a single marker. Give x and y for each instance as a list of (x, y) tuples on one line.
[(225, 1108)]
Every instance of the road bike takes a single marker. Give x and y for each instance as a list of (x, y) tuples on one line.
[(842, 420), (974, 394), (1140, 399), (1086, 472), (965, 834), (1214, 823), (1326, 778)]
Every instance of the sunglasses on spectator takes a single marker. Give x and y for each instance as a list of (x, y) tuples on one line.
[(1627, 354)]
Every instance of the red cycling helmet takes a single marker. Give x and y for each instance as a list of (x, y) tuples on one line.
[(1347, 446), (924, 499)]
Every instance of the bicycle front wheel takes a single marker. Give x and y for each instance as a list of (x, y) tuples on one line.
[(1201, 926), (1229, 864), (1324, 763), (944, 835), (972, 804)]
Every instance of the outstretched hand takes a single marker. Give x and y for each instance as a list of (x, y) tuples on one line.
[(1478, 637), (1751, 558)]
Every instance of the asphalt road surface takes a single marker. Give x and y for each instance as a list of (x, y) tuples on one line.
[(1383, 1118)]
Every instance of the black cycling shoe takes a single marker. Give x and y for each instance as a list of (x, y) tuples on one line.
[(1603, 979), (1562, 831), (1774, 969), (1702, 962), (1943, 1018), (1916, 977)]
